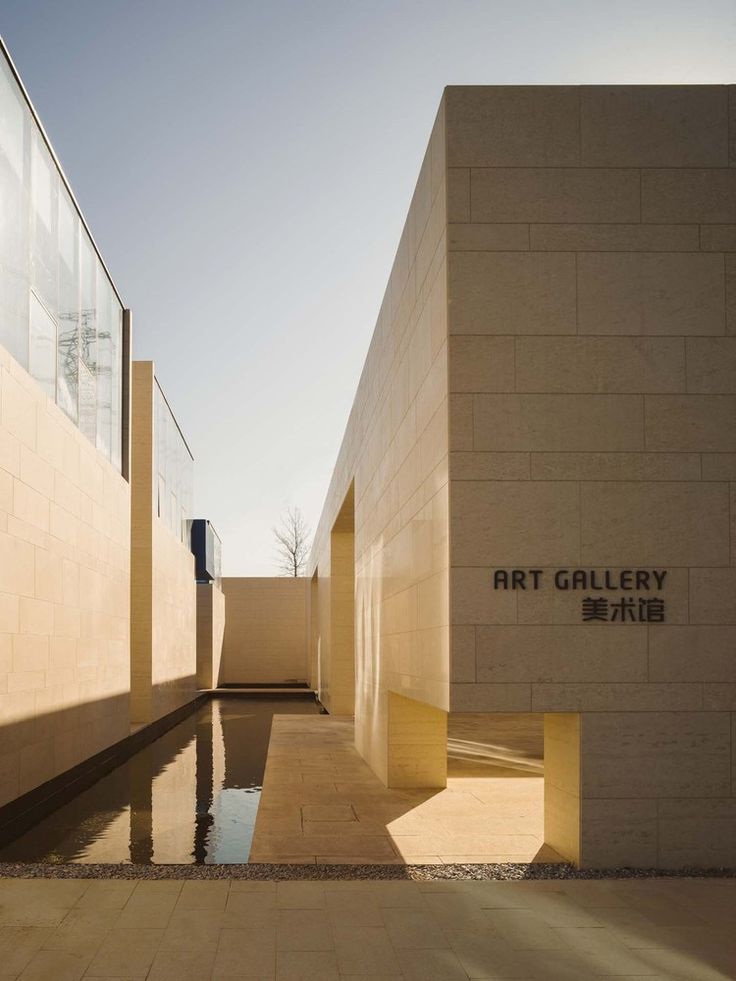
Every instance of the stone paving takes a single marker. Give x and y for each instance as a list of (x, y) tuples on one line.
[(321, 803), (656, 929)]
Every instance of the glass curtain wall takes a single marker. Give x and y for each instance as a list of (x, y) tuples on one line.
[(60, 316), (173, 470)]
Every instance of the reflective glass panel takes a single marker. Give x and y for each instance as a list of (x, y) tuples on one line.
[(12, 122), (88, 303), (87, 402), (44, 218), (173, 470), (59, 314), (43, 347), (116, 381), (14, 219), (67, 386), (105, 327)]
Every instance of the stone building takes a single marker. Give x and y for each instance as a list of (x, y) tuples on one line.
[(533, 511), (97, 585), (533, 505)]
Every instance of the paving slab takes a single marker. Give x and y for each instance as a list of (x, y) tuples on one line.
[(322, 803), (337, 930)]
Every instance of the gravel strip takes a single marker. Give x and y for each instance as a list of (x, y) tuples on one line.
[(280, 873)]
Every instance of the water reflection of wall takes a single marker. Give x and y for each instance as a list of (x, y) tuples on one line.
[(174, 799), (174, 786), (194, 793), (115, 841), (232, 742), (218, 748), (162, 791), (206, 739), (191, 796)]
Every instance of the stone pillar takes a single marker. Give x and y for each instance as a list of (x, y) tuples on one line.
[(641, 789), (656, 789), (141, 538), (417, 743), (562, 784), (210, 632)]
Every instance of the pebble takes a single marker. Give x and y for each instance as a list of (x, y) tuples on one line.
[(280, 873)]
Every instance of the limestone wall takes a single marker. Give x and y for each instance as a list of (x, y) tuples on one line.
[(210, 633), (266, 630), (64, 601), (560, 323), (174, 650), (389, 492), (163, 653), (592, 367)]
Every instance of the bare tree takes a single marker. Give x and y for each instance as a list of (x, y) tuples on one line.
[(292, 543)]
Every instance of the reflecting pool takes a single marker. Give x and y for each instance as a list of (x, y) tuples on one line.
[(189, 797)]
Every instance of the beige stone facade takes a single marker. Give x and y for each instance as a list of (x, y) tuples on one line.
[(97, 605), (532, 514), (265, 638), (551, 386), (210, 632), (163, 655), (396, 457), (64, 601)]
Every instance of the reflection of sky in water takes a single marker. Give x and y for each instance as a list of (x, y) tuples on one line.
[(191, 796), (234, 813)]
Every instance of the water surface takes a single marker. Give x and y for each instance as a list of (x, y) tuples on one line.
[(189, 797)]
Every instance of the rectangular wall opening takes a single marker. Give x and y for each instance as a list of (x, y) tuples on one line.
[(498, 758)]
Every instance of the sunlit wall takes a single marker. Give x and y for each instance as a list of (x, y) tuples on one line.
[(64, 503)]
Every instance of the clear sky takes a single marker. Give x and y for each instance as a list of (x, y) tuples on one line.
[(246, 168)]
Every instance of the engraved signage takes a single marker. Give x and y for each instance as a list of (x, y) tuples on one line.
[(606, 594)]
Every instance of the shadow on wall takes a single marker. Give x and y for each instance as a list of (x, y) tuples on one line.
[(479, 740), (191, 795), (468, 756), (123, 789), (30, 795)]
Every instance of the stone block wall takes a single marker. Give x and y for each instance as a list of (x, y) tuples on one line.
[(210, 632), (163, 650), (392, 477), (266, 630), (592, 376), (64, 600), (174, 635)]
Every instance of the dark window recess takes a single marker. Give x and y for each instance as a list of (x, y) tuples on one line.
[(207, 549)]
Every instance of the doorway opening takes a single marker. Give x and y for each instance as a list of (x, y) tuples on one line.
[(495, 765)]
